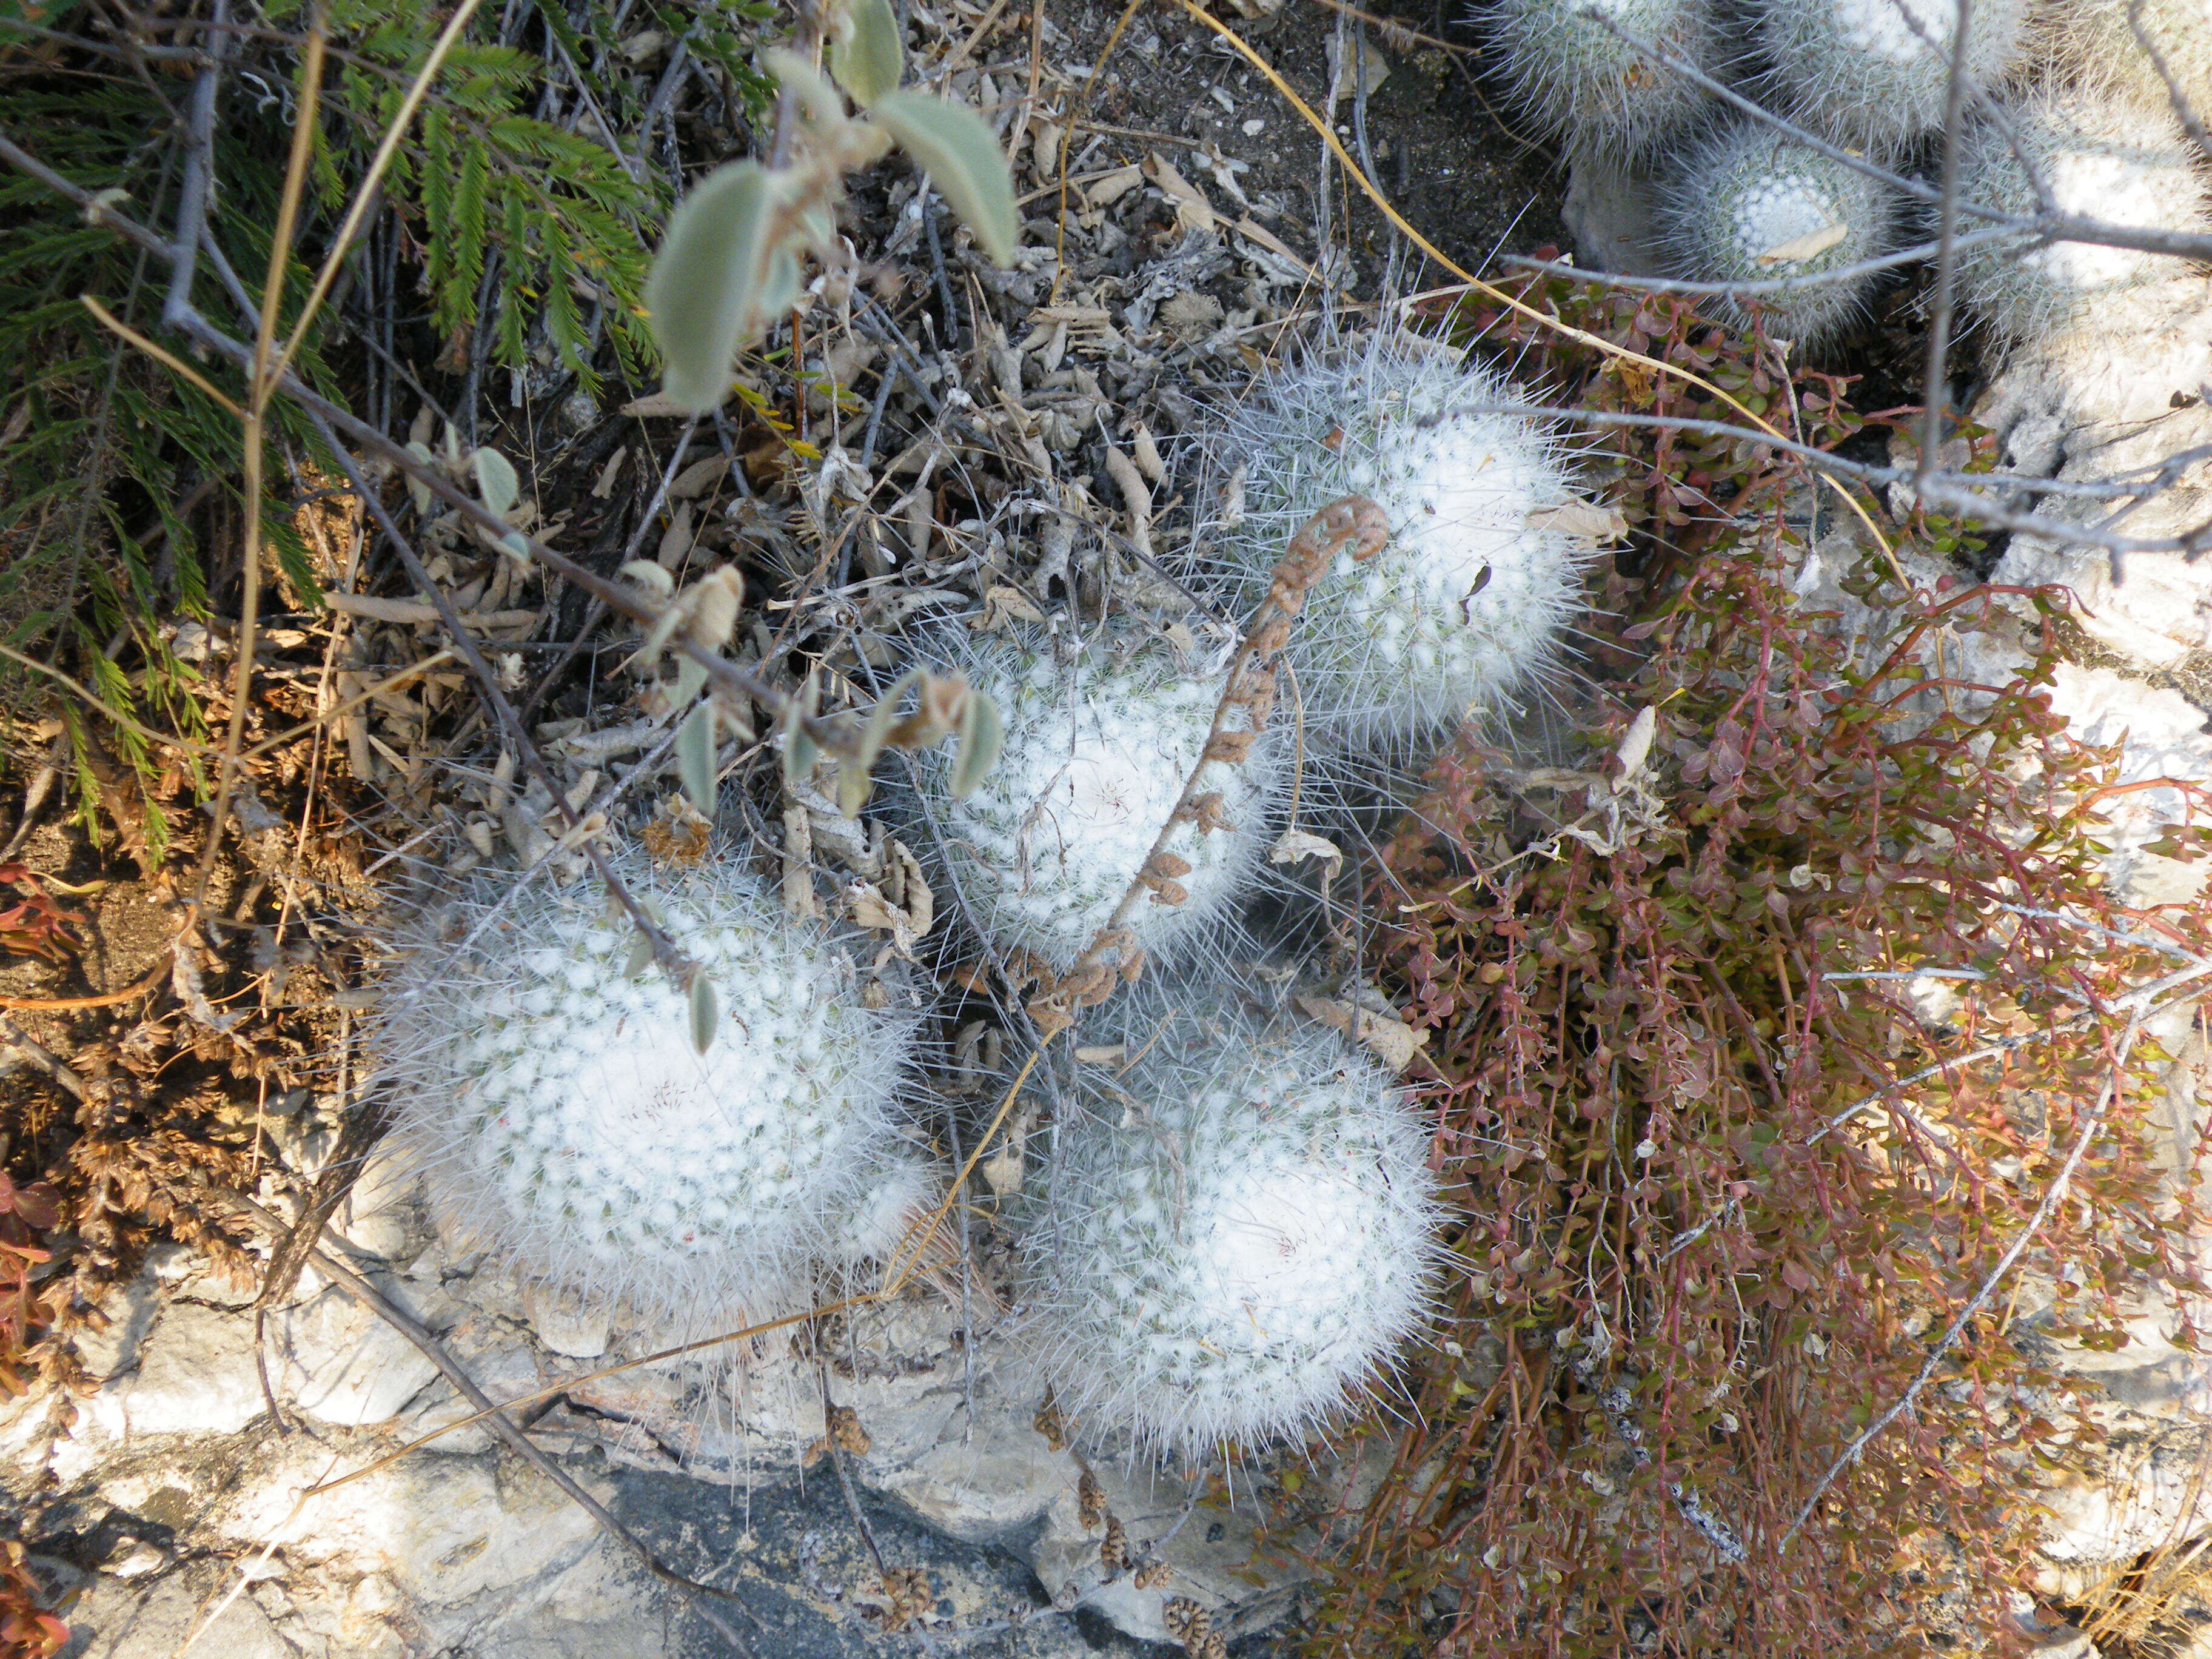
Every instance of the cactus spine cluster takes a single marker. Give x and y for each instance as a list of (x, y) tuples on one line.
[(567, 1124), (1874, 74), (2104, 158), (1586, 82), (1236, 1229), (1102, 736), (1462, 612), (2143, 51), (1749, 205)]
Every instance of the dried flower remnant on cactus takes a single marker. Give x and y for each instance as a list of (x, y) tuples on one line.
[(1098, 748), (1235, 1237), (1461, 611), (1750, 206), (2103, 159), (1875, 74), (565, 1121), (1575, 71)]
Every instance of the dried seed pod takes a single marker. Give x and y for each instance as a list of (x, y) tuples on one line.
[(1098, 748), (1747, 205), (567, 1121), (1236, 1234)]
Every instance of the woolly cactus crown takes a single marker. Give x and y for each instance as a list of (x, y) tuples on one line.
[(566, 1121), (2104, 158), (1750, 206), (1098, 748), (1605, 96), (1235, 1235), (1462, 611), (1874, 74)]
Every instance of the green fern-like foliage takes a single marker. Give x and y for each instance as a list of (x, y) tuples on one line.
[(524, 185)]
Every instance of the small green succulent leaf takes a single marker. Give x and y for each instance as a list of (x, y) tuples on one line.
[(690, 679), (706, 1012), (956, 148), (498, 486), (694, 758), (873, 736), (868, 59), (818, 100), (640, 958), (800, 751), (982, 732), (417, 491), (719, 277)]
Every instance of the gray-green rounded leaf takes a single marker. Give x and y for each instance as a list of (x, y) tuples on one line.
[(716, 281), (706, 1011), (869, 61), (956, 148), (498, 486), (982, 733), (694, 758)]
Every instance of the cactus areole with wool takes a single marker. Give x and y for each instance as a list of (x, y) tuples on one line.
[(1101, 737), (1235, 1235), (1460, 613), (565, 1120)]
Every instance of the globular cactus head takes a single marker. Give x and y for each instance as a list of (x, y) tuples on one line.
[(2141, 51), (1236, 1232), (2104, 158), (1604, 96), (1462, 613), (567, 1122), (1875, 74), (1747, 205), (1101, 735)]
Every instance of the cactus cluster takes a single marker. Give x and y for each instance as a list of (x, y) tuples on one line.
[(1462, 612), (2142, 51), (1103, 735), (1236, 1232), (569, 1125), (1749, 205)]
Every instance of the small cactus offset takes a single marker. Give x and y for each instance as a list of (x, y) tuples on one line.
[(1461, 611), (2104, 158), (1875, 74), (1234, 1236), (1589, 84), (1747, 205), (1102, 739), (566, 1119)]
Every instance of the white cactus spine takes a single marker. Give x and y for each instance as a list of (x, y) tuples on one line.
[(567, 1124), (1235, 1233), (1463, 611), (1747, 205), (1874, 74), (2100, 158), (1098, 748), (1605, 96)]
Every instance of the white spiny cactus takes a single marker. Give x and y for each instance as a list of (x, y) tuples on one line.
[(1874, 74), (1605, 96), (1235, 1233), (2144, 52), (1100, 738), (1747, 205), (567, 1123), (2102, 159), (1462, 612)]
